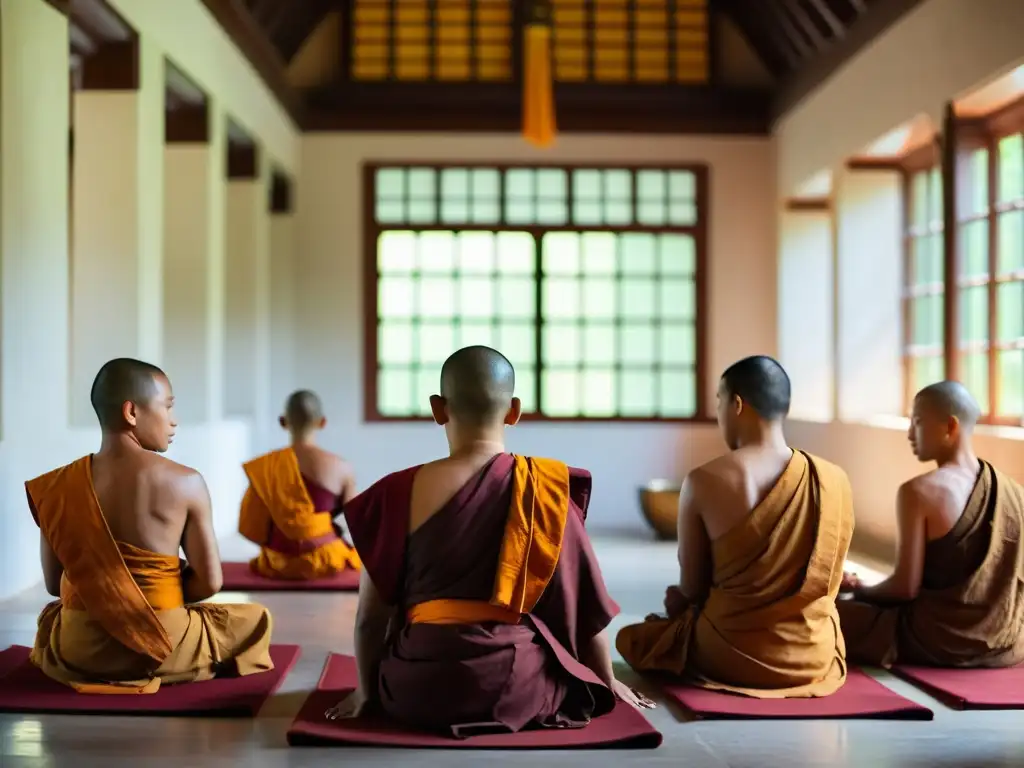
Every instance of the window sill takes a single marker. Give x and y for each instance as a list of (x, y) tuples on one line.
[(902, 424)]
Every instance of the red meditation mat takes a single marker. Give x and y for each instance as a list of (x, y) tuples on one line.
[(622, 728), (23, 688), (861, 697), (969, 688), (238, 577)]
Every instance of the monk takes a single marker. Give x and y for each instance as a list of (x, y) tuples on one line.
[(481, 603), (111, 526), (763, 533), (288, 509), (956, 598)]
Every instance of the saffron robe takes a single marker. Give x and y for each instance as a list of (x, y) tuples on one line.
[(121, 624), (970, 609), (769, 626), (291, 518), (497, 593)]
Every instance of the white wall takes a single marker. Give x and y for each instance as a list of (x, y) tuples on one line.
[(328, 273)]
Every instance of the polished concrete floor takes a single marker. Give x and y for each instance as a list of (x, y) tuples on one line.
[(636, 571)]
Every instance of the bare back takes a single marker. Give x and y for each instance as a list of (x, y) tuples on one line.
[(437, 483), (729, 488), (328, 470), (146, 499), (942, 496)]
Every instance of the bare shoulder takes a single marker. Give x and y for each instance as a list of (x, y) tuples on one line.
[(178, 479), (723, 471), (920, 491)]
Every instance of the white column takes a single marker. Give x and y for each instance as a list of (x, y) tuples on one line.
[(117, 238), (282, 307)]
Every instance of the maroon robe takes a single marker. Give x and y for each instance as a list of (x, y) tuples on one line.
[(491, 677)]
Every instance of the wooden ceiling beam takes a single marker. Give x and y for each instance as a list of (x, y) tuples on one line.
[(778, 16), (830, 18), (800, 17), (774, 51)]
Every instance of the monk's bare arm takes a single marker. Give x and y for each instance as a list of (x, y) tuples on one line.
[(204, 577), (905, 582), (694, 545), (348, 487), (373, 616), (52, 568)]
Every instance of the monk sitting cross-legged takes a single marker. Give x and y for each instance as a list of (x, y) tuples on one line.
[(112, 524), (481, 605), (289, 507), (763, 533), (956, 598)]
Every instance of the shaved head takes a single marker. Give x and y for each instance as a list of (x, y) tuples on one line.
[(303, 410), (951, 398), (121, 381), (478, 384), (762, 383)]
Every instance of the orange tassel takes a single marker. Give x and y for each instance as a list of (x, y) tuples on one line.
[(538, 94)]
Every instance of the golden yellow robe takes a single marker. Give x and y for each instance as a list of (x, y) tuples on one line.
[(970, 609), (769, 627), (297, 541), (121, 624)]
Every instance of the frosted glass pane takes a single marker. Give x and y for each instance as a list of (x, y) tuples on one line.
[(517, 343), (519, 211), (637, 345), (636, 393), (552, 212), (682, 214), (927, 370), (486, 183), (560, 392), (651, 213), (586, 212), (394, 392), (1010, 308), (485, 210), (599, 298), (599, 345), (422, 183), (517, 297), (396, 252), (471, 334), (427, 383), (394, 343), (681, 185), (454, 184), (454, 211), (561, 345), (678, 344), (926, 320), (422, 212), (618, 184), (561, 253), (1011, 241), (436, 251), (677, 394), (638, 254), (1011, 168), (650, 186), (390, 211), (677, 299), (519, 184), (552, 184), (561, 298), (390, 183), (974, 249), (435, 342), (677, 255), (586, 185), (476, 297), (526, 388), (516, 253), (598, 392), (974, 313), (599, 253), (476, 252), (1011, 382), (395, 297), (436, 297), (974, 373), (637, 298), (618, 212)]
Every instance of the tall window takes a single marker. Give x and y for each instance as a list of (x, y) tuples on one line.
[(589, 279), (1008, 212), (924, 294)]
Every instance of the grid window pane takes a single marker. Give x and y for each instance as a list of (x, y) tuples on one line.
[(926, 260), (974, 249), (1010, 311), (1011, 168), (1010, 368), (974, 314), (975, 377), (618, 309), (926, 320), (1011, 241), (927, 370)]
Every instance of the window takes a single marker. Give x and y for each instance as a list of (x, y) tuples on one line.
[(446, 40), (924, 295), (641, 41), (1008, 213), (588, 279)]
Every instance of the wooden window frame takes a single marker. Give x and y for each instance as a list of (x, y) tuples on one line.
[(698, 231), (958, 139)]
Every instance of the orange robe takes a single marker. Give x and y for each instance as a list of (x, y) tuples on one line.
[(121, 624), (297, 541), (970, 609), (769, 626)]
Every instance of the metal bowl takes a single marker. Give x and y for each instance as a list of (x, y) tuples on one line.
[(659, 502)]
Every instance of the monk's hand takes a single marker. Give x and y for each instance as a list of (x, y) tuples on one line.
[(675, 601), (351, 706), (634, 698)]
